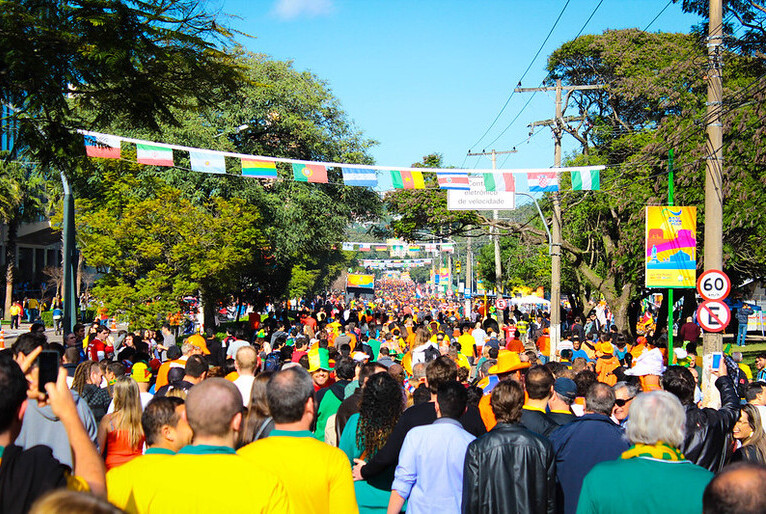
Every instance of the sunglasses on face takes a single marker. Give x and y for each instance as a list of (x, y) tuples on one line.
[(621, 403)]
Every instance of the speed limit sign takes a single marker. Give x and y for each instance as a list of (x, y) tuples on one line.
[(501, 303), (713, 285)]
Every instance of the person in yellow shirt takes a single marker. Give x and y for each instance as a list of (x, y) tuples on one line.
[(317, 476), (166, 431), (208, 475), (467, 342)]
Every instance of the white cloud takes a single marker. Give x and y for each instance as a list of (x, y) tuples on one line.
[(291, 9)]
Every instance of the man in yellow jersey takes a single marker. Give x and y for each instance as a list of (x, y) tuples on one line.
[(316, 475), (208, 475), (166, 431)]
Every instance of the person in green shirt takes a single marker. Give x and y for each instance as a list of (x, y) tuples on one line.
[(652, 475)]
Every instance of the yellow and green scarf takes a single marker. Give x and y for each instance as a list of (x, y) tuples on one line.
[(659, 451)]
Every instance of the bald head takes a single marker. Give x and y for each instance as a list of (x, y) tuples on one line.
[(738, 489), (211, 405), (245, 359)]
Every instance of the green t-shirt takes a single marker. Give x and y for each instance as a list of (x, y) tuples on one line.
[(640, 485)]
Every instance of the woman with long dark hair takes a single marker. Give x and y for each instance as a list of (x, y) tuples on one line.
[(257, 423), (365, 434)]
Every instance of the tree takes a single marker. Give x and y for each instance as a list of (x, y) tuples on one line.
[(155, 249), (72, 63), (22, 198), (604, 231), (303, 223)]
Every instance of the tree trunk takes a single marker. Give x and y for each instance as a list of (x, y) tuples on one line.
[(662, 322), (80, 266), (633, 311), (10, 261)]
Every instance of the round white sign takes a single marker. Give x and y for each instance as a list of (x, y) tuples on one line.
[(713, 316), (713, 285)]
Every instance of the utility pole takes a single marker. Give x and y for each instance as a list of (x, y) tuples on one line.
[(557, 125), (713, 253), (469, 278), (496, 237)]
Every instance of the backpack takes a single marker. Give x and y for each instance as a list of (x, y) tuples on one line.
[(272, 362)]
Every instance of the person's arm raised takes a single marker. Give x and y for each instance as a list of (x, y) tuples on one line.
[(88, 464)]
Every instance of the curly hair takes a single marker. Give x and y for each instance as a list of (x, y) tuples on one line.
[(382, 404)]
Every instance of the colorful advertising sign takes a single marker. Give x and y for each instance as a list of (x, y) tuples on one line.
[(671, 246)]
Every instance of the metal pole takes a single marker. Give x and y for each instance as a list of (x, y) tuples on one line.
[(555, 331), (468, 279), (69, 261), (713, 253), (498, 263), (671, 201)]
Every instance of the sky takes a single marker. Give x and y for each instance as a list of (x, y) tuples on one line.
[(431, 76)]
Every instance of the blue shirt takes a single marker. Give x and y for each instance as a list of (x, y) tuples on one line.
[(430, 470)]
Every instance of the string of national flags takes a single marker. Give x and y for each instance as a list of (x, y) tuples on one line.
[(379, 178), (350, 246), (395, 263)]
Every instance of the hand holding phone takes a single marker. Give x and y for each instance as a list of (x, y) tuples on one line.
[(48, 369)]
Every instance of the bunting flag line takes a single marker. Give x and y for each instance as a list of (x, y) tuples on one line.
[(207, 162), (309, 173), (256, 168), (586, 180), (104, 146), (542, 181), (154, 155), (455, 181), (380, 178), (360, 177), (504, 182)]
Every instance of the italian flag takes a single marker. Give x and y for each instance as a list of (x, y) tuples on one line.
[(588, 180), (154, 155), (499, 182)]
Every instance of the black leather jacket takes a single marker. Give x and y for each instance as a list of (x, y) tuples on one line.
[(707, 430), (509, 469)]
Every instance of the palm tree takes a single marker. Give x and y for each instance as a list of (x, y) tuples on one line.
[(22, 197)]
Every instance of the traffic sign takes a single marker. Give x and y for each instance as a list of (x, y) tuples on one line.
[(713, 285), (713, 316), (501, 303)]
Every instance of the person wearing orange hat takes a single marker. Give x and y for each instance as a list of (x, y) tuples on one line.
[(508, 367), (199, 342), (606, 363)]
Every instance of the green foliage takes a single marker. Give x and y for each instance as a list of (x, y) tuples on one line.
[(288, 113), (157, 248), (420, 275), (655, 101), (70, 64)]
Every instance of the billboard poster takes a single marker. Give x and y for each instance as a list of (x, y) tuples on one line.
[(671, 247)]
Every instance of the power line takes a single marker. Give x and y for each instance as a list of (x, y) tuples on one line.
[(544, 80), (525, 73)]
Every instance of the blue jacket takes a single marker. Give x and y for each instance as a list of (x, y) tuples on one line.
[(743, 313), (580, 445)]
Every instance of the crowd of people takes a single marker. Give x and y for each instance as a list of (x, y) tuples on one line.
[(391, 405)]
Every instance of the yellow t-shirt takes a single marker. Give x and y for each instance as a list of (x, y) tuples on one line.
[(317, 476), (466, 344), (203, 479), (120, 481)]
